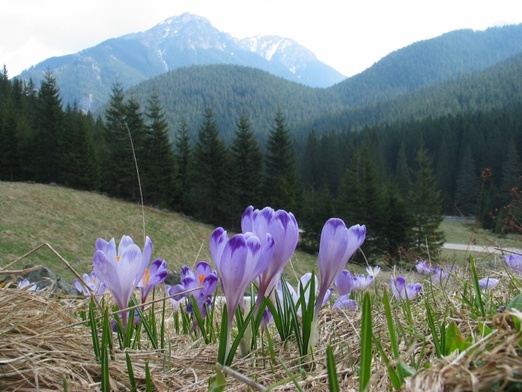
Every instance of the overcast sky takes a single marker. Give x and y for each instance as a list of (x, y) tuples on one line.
[(348, 35)]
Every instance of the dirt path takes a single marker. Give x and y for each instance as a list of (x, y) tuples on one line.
[(480, 248)]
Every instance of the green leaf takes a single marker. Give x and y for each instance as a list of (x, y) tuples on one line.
[(365, 370), (333, 381), (148, 378), (218, 382), (130, 372), (516, 303)]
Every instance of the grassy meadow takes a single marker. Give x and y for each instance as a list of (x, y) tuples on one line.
[(70, 221), (453, 336)]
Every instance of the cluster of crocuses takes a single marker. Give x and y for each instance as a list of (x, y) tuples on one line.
[(346, 283), (267, 242), (121, 270)]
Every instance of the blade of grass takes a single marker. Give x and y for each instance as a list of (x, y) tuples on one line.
[(366, 343), (391, 332), (94, 330), (477, 286), (333, 381), (130, 372)]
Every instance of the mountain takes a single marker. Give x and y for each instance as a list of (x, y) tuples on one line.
[(460, 71), (431, 61), (87, 76)]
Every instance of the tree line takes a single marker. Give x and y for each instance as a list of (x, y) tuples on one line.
[(397, 179)]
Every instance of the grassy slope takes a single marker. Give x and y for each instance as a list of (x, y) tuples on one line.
[(71, 221)]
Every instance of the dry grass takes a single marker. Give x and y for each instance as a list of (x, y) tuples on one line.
[(44, 344)]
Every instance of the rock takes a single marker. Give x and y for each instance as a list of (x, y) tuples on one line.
[(44, 277)]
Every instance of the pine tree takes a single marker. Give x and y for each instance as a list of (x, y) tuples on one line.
[(318, 207), (426, 207), (211, 179), (280, 184), (82, 170), (361, 200), (402, 172), (125, 137), (48, 147), (159, 157), (397, 223), (467, 185), (246, 168), (183, 182)]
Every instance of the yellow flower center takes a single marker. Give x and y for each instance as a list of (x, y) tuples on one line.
[(146, 277), (118, 257), (201, 278)]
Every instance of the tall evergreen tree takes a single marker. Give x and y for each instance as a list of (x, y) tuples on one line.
[(402, 172), (183, 155), (48, 147), (211, 179), (426, 206), (160, 173), (467, 185), (125, 137), (246, 168), (318, 207), (82, 170), (280, 185), (361, 200), (397, 223)]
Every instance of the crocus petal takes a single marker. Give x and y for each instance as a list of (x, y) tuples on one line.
[(218, 240), (336, 246), (514, 261), (488, 283), (344, 302), (345, 283)]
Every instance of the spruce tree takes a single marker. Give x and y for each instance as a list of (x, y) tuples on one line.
[(426, 208), (183, 182), (397, 223), (280, 184), (210, 192), (246, 168), (318, 207), (159, 159), (361, 200), (82, 170), (48, 145), (467, 186), (125, 138)]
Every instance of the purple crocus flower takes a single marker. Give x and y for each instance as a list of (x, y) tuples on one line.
[(344, 302), (345, 283), (514, 261), (488, 283), (439, 274), (239, 260), (203, 277), (176, 305), (121, 269), (337, 245), (154, 274), (362, 281), (27, 285), (402, 291), (283, 228), (96, 285), (423, 267)]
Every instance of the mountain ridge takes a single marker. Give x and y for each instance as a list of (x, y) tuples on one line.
[(86, 77)]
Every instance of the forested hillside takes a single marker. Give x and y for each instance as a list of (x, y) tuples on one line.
[(234, 91)]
